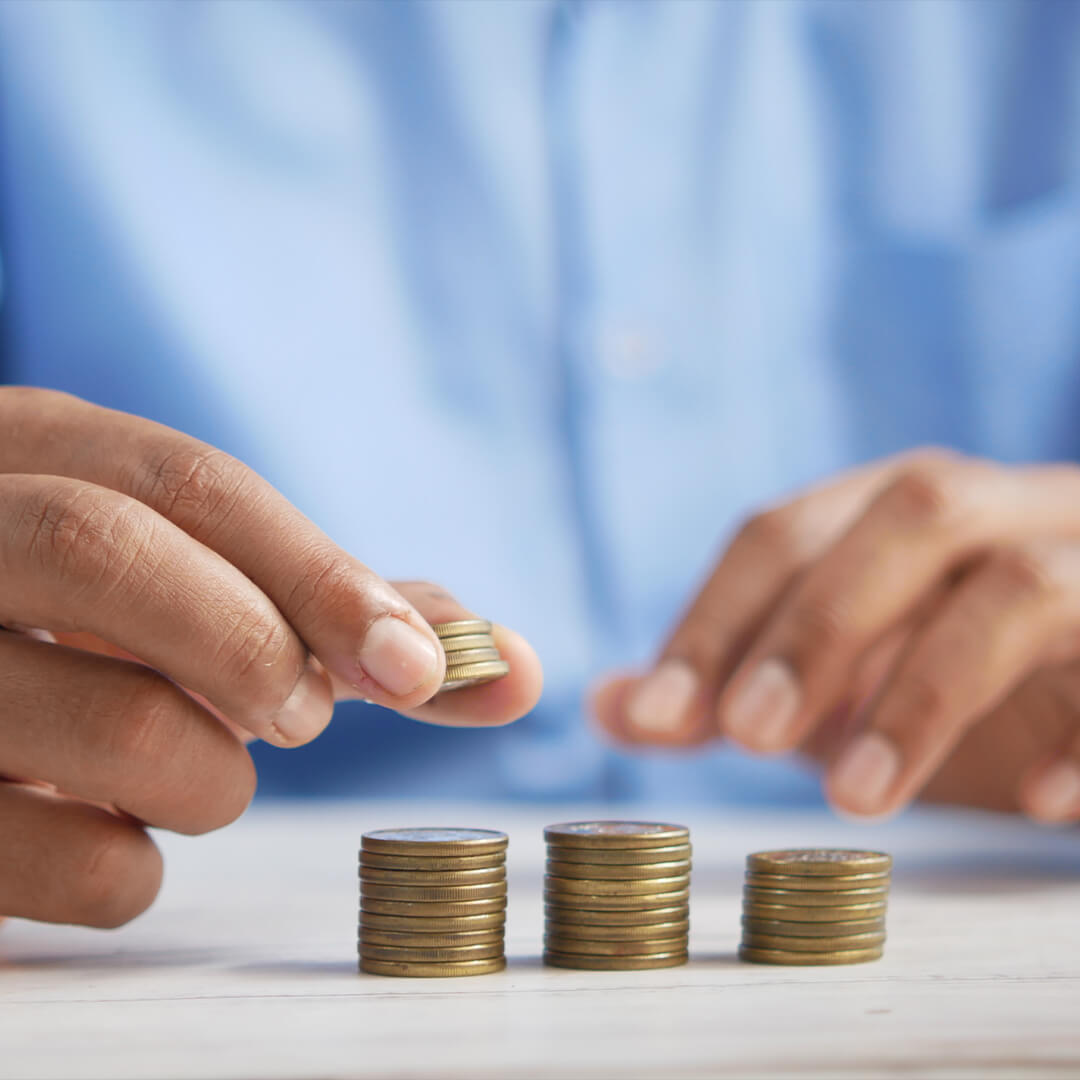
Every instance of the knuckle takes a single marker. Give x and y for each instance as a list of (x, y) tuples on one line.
[(194, 483), (817, 626), (142, 719), (120, 876), (259, 653), (773, 530), (921, 496), (1024, 571), (920, 699), (324, 577)]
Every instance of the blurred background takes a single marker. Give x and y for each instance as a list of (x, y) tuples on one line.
[(538, 300)]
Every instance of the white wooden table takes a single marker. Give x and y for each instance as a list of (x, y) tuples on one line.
[(246, 967)]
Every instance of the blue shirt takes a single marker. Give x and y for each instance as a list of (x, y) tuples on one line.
[(613, 273)]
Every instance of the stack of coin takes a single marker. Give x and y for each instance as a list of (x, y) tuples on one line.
[(432, 902), (818, 906), (472, 657), (616, 895)]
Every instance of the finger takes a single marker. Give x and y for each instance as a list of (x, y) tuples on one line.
[(62, 861), (675, 701), (78, 557), (363, 631), (926, 523), (488, 705), (1006, 616), (607, 704), (1050, 792), (113, 732)]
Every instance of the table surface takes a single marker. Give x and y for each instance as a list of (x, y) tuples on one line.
[(246, 967)]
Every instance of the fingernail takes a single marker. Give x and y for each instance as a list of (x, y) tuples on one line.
[(307, 710), (1056, 795), (764, 709), (861, 778), (397, 656), (659, 702)]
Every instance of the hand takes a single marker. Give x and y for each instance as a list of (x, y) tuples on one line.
[(179, 605), (916, 624)]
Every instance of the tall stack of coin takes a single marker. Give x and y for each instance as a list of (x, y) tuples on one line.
[(817, 906), (432, 901), (617, 895), (472, 657)]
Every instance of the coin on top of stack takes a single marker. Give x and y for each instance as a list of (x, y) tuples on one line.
[(432, 902), (616, 895), (472, 657), (815, 906)]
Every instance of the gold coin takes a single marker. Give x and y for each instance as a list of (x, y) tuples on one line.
[(461, 626), (647, 932), (812, 945), (430, 893), (427, 909), (589, 872), (818, 884), (615, 963), (440, 843), (433, 862), (399, 940), (430, 954), (462, 642), (615, 919), (790, 912), (485, 671), (446, 924), (784, 928), (807, 959), (472, 656), (449, 969), (433, 877), (619, 856), (616, 834), (646, 947), (815, 899), (642, 902), (816, 861), (597, 887)]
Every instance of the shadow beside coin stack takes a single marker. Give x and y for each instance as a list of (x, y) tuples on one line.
[(815, 907), (472, 657), (616, 895), (432, 902)]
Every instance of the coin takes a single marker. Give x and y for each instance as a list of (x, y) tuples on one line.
[(784, 928), (427, 909), (778, 956), (616, 834), (642, 902), (558, 912), (431, 955), (400, 940), (448, 969), (646, 947), (595, 887), (646, 932), (815, 861), (839, 913), (472, 656), (587, 871), (433, 862), (815, 899), (461, 626), (474, 674), (438, 842), (619, 856), (461, 642), (433, 877), (821, 883), (377, 891), (446, 924), (614, 963), (813, 945)]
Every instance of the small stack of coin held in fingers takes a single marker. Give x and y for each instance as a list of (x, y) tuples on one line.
[(432, 902), (817, 906), (472, 657), (616, 895)]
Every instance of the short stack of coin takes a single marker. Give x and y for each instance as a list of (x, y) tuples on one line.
[(472, 657), (817, 906), (432, 902), (616, 895)]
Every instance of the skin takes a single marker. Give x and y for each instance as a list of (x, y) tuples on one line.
[(913, 626), (161, 606)]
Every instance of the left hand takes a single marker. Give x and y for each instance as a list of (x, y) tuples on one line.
[(916, 623)]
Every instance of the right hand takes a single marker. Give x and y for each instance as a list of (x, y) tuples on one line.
[(162, 604)]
